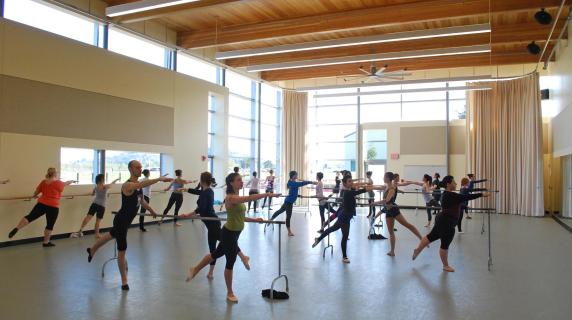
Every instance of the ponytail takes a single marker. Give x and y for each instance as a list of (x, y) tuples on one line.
[(229, 179)]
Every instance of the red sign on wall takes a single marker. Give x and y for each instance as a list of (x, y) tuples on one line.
[(394, 156)]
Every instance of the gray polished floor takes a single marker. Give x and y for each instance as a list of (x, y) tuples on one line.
[(530, 277)]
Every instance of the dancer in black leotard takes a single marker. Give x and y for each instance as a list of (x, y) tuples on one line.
[(131, 198), (392, 211), (446, 221), (205, 208), (348, 210)]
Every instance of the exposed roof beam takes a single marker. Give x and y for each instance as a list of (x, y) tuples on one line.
[(412, 65), (389, 56), (518, 33), (161, 12), (355, 19)]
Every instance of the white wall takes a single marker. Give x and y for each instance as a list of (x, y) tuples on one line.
[(560, 86), (33, 54)]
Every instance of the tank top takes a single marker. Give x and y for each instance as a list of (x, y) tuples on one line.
[(235, 217), (392, 200), (129, 206), (337, 186), (270, 184), (426, 195), (176, 185), (99, 198)]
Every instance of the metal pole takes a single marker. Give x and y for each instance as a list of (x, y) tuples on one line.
[(447, 128)]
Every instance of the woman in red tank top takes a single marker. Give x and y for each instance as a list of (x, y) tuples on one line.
[(51, 190)]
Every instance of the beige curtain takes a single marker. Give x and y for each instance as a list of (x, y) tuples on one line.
[(567, 186), (294, 127), (504, 130)]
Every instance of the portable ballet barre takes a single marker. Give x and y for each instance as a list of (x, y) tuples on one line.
[(279, 223)]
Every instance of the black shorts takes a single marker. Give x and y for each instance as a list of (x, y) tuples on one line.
[(392, 212), (96, 209), (443, 229), (121, 224), (39, 210)]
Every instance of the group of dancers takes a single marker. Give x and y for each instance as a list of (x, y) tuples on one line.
[(135, 201)]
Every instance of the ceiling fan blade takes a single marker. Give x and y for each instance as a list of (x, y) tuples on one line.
[(381, 71)]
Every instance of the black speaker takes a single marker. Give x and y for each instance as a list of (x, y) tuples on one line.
[(544, 94)]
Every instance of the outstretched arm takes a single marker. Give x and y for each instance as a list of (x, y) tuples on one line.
[(236, 199), (129, 187), (107, 186)]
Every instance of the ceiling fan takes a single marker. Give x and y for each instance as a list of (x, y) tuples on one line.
[(375, 74)]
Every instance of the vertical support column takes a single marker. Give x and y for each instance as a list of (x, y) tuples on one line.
[(259, 123), (105, 35), (278, 173), (447, 130), (359, 140)]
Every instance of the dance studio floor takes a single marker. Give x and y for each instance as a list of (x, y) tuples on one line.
[(530, 277)]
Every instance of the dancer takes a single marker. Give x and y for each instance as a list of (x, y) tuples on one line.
[(176, 195), (51, 189), (471, 188), (97, 206), (228, 245), (427, 188), (348, 210), (253, 184), (392, 211), (131, 198), (336, 189), (323, 204), (371, 194), (293, 186), (446, 221), (147, 197), (269, 182), (205, 209)]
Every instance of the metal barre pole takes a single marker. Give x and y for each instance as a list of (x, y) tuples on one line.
[(204, 218)]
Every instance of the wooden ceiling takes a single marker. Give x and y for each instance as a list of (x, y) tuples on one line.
[(228, 25)]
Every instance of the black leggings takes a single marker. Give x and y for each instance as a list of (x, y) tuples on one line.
[(285, 207), (464, 210), (176, 199), (251, 192), (323, 210), (143, 210), (443, 229), (213, 235), (228, 246), (269, 199), (345, 234), (39, 210)]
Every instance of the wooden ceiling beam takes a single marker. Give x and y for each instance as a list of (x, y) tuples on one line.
[(411, 65), (520, 33), (162, 12), (355, 19)]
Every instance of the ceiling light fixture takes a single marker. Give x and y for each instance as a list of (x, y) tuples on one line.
[(372, 93), (371, 57), (398, 82), (143, 5), (345, 42)]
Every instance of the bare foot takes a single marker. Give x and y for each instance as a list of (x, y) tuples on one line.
[(210, 276), (97, 236), (290, 234), (448, 269), (416, 252), (192, 273), (428, 225), (177, 224), (246, 262), (391, 254), (232, 298)]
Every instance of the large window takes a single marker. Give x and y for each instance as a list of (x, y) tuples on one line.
[(197, 68), (137, 48), (52, 19), (332, 133), (255, 113), (333, 122), (116, 164), (78, 164)]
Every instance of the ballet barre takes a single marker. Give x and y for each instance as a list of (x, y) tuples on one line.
[(196, 217)]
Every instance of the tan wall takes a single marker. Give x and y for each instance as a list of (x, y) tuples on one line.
[(32, 54)]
